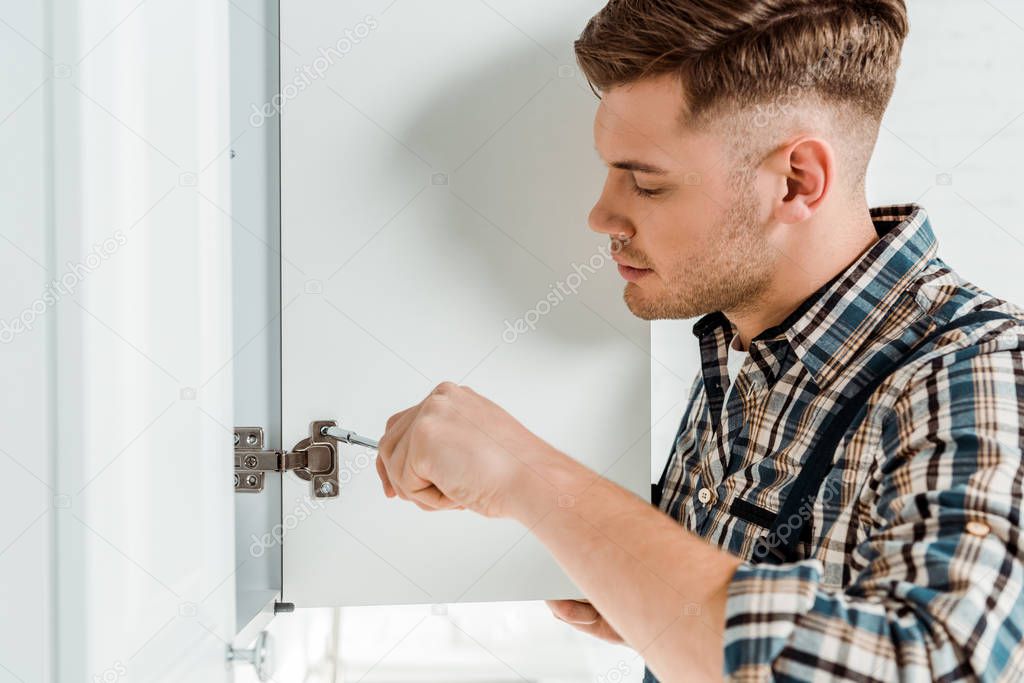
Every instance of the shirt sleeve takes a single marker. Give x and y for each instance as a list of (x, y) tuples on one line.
[(937, 586)]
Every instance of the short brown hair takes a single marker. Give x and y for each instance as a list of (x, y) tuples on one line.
[(744, 53)]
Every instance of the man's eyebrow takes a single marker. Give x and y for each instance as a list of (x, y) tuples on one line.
[(631, 165), (638, 167)]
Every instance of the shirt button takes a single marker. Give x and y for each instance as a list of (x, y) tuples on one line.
[(704, 496), (976, 528)]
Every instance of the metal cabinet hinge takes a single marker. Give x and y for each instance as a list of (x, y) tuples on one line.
[(314, 459)]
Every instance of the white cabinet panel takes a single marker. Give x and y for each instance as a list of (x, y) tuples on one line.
[(256, 290), (437, 170)]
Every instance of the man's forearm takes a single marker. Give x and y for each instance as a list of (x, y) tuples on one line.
[(662, 588)]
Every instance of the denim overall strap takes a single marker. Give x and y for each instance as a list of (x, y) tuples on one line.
[(779, 545), (789, 527)]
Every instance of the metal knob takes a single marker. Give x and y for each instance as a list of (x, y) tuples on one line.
[(258, 656)]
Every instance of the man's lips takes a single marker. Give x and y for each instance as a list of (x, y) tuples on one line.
[(629, 272)]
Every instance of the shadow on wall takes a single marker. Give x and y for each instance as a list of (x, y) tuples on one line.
[(521, 164)]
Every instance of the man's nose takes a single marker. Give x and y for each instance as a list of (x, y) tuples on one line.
[(605, 220)]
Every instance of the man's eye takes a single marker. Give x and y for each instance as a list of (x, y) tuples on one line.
[(644, 192)]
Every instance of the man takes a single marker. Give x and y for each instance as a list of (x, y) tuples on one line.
[(844, 496)]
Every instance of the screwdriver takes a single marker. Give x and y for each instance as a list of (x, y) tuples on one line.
[(347, 436)]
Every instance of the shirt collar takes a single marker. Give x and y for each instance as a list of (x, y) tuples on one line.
[(834, 322)]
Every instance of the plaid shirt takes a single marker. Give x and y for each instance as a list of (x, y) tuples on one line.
[(914, 567)]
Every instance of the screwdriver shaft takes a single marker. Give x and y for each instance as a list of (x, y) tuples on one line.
[(350, 437)]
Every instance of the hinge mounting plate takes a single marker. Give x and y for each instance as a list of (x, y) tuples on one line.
[(314, 459)]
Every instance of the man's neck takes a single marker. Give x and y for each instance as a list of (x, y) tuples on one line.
[(815, 252)]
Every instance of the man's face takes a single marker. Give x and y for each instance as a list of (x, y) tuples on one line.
[(687, 226)]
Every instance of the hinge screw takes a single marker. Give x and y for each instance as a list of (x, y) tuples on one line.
[(251, 480), (251, 439), (326, 488), (251, 462), (237, 439), (236, 481)]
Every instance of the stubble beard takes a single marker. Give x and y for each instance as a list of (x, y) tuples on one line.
[(731, 276)]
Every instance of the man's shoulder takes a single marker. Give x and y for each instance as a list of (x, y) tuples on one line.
[(944, 297), (960, 340)]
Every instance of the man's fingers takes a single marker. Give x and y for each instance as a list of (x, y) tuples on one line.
[(385, 480), (397, 475), (582, 616), (432, 496), (395, 429), (403, 480), (394, 447), (599, 629), (427, 498), (574, 611), (394, 419)]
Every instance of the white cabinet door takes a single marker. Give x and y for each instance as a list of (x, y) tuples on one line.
[(437, 168)]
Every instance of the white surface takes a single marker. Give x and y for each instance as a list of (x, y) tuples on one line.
[(517, 641), (464, 643), (115, 401), (393, 283)]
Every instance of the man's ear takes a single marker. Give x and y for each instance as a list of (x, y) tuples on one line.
[(803, 171)]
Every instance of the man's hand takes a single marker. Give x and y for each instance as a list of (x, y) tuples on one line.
[(456, 449), (582, 616)]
